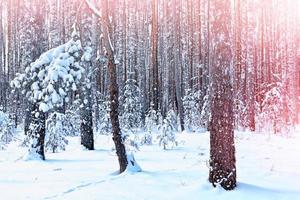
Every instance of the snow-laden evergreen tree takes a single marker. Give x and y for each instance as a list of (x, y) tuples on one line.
[(151, 123), (73, 120), (132, 108), (6, 130), (46, 83), (57, 128), (131, 119), (166, 136), (104, 124), (275, 108), (173, 117), (32, 32), (205, 113), (239, 110), (191, 110)]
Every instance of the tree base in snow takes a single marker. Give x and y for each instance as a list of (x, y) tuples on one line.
[(33, 156), (226, 179), (132, 165)]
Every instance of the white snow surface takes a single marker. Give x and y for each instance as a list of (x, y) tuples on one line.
[(267, 169)]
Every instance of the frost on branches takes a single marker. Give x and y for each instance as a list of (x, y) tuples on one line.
[(73, 119), (151, 123), (276, 109), (167, 130), (132, 108), (131, 119), (47, 80), (58, 128), (205, 113), (191, 110), (46, 83), (240, 113), (103, 124), (6, 130)]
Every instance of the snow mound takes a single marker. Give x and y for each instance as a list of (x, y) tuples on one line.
[(132, 166)]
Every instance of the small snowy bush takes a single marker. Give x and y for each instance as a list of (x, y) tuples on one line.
[(150, 126), (205, 112), (167, 137), (240, 114), (191, 110), (6, 130), (72, 119), (131, 118), (103, 123), (131, 141), (57, 129), (274, 116)]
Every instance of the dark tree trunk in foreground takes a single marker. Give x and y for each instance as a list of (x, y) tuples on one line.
[(222, 149), (37, 132), (107, 19), (114, 115), (86, 127), (113, 91)]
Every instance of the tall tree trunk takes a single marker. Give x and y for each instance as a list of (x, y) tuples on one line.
[(113, 90), (2, 52), (177, 65), (86, 126), (222, 149), (154, 39)]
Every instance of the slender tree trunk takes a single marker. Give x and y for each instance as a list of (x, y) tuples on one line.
[(86, 126), (177, 65), (154, 39), (113, 90)]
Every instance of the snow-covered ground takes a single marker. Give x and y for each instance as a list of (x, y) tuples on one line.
[(268, 168)]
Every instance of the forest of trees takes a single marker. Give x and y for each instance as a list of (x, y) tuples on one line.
[(91, 67)]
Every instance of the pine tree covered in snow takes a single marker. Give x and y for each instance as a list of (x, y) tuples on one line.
[(239, 110), (47, 80), (167, 130), (274, 116), (173, 118), (57, 128), (151, 122), (205, 113), (131, 118), (191, 110), (46, 83), (73, 119), (103, 122), (132, 108), (6, 130)]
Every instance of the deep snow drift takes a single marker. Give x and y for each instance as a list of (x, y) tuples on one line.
[(268, 168)]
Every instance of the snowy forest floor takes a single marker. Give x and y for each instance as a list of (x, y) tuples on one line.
[(268, 168)]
